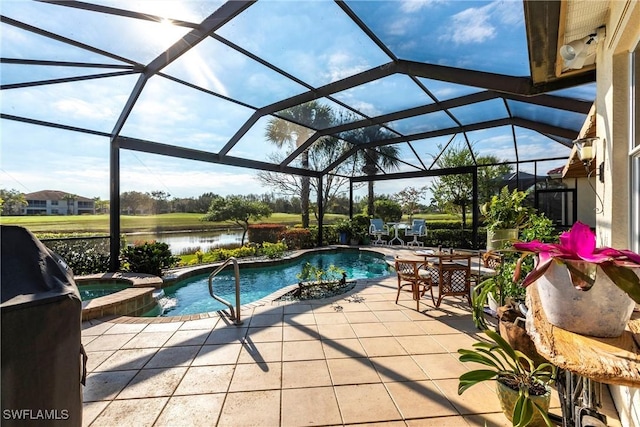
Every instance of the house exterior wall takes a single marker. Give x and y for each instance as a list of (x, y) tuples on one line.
[(614, 125), (45, 206), (49, 207), (586, 206)]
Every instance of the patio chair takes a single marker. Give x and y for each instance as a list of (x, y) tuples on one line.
[(491, 259), (418, 229), (455, 280), (409, 274), (378, 228)]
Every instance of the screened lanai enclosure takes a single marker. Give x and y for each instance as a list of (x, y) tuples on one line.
[(91, 85)]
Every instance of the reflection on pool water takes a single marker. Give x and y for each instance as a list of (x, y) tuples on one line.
[(95, 290), (191, 296)]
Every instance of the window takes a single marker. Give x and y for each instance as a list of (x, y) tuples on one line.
[(634, 150), (37, 203), (54, 203)]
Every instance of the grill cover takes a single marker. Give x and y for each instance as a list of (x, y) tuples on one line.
[(41, 315)]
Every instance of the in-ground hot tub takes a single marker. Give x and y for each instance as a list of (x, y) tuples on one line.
[(117, 294), (91, 290)]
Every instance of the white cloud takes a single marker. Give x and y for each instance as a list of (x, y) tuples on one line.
[(412, 6), (478, 24), (191, 183), (510, 12), (366, 107), (83, 109), (399, 26), (470, 26), (342, 64)]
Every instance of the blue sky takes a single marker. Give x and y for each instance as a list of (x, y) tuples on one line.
[(314, 41)]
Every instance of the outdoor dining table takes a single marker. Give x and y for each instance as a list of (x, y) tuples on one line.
[(452, 271), (433, 259), (477, 268), (396, 226)]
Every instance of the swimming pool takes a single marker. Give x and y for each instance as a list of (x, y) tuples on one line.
[(191, 296)]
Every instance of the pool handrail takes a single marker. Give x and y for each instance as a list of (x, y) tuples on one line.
[(235, 314)]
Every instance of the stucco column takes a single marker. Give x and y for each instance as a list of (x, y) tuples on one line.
[(612, 107)]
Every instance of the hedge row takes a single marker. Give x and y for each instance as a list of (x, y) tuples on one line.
[(266, 232), (84, 256)]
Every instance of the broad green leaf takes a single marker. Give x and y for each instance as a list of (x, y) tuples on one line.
[(624, 278), (523, 411), (502, 343), (544, 415), (471, 378)]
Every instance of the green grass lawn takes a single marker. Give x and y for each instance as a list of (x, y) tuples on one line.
[(135, 223), (99, 224)]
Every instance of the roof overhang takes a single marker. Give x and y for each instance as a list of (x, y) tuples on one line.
[(575, 168), (551, 24)]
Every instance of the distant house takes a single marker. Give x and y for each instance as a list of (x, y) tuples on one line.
[(521, 180), (52, 202)]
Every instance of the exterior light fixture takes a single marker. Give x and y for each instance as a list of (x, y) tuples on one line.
[(586, 149), (576, 52)]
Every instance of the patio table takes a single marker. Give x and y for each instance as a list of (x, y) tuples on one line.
[(433, 259), (396, 226)]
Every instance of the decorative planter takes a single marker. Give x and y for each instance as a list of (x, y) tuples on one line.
[(508, 398), (496, 239), (492, 303), (344, 238), (511, 325), (602, 311)]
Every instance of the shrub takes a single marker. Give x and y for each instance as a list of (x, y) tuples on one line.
[(222, 254), (265, 232), (360, 227), (273, 250), (83, 256), (148, 257), (388, 210), (297, 238), (330, 235), (453, 238)]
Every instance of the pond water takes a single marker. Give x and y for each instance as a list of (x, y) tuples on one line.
[(191, 296), (182, 243)]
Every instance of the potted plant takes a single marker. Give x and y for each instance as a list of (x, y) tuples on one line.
[(582, 288), (521, 384), (503, 287), (360, 229), (503, 215), (343, 228)]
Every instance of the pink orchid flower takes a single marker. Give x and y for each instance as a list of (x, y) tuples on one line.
[(577, 250)]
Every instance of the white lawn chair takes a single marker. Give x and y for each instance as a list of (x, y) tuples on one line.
[(378, 228), (418, 229)]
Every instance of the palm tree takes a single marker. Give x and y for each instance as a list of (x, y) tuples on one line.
[(375, 159), (70, 199), (283, 132)]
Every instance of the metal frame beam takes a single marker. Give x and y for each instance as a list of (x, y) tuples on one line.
[(497, 82), (208, 157)]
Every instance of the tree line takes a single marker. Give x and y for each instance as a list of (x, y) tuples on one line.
[(289, 130)]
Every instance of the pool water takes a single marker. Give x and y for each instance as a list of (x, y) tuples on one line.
[(91, 291), (191, 296)]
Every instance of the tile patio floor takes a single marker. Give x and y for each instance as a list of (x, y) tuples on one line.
[(356, 359)]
